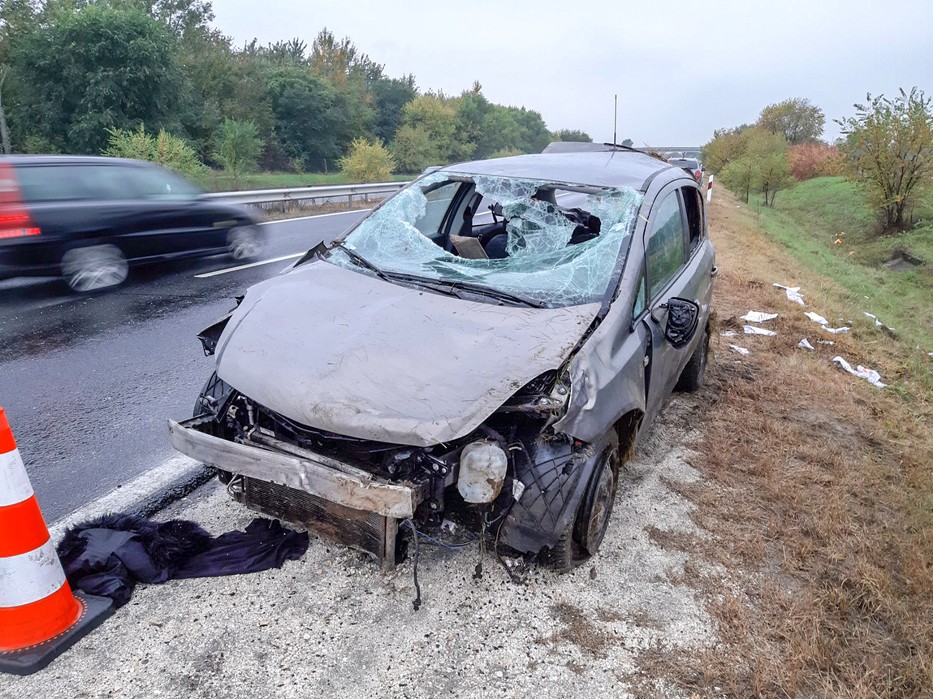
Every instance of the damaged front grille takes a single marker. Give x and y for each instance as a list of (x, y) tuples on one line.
[(364, 531)]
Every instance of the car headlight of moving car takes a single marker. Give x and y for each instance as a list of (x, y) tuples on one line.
[(483, 467)]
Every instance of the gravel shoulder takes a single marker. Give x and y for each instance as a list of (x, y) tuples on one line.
[(332, 623)]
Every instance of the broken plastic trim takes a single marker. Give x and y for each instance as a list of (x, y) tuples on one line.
[(540, 265)]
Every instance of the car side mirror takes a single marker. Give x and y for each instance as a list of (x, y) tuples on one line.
[(682, 320)]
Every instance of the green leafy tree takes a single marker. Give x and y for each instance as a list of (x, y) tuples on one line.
[(889, 148), (414, 150), (761, 167), (436, 116), (84, 72), (389, 97), (739, 175), (238, 147), (303, 105), (796, 119), (725, 146), (572, 135), (367, 161), (163, 148)]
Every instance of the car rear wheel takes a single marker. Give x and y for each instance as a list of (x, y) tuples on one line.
[(584, 535), (94, 267), (691, 378), (244, 242)]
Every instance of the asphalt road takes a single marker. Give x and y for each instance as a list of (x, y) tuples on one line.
[(88, 381)]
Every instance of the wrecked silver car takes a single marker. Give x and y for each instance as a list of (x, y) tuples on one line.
[(485, 347)]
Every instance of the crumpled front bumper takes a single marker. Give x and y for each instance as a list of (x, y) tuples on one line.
[(319, 476)]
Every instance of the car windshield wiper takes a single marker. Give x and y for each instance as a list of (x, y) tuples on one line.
[(360, 260), (452, 287)]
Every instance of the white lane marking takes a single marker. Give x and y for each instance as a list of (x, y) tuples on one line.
[(125, 496), (305, 218), (251, 264), (30, 576)]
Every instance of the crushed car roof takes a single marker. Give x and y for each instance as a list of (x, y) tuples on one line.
[(606, 168)]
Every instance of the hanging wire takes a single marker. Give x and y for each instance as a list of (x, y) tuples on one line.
[(416, 603)]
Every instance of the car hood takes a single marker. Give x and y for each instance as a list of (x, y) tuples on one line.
[(345, 352)]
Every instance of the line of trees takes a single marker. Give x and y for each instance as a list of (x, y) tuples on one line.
[(886, 148), (77, 74)]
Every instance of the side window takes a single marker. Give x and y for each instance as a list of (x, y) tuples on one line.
[(438, 203), (158, 183), (665, 244), (40, 183), (694, 209)]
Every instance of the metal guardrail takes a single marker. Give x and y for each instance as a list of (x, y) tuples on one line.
[(313, 194)]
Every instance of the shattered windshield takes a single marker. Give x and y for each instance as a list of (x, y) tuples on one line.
[(548, 243)]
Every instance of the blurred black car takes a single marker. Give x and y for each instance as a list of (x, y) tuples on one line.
[(89, 218)]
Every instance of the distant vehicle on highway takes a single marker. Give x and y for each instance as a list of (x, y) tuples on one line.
[(89, 218), (691, 165)]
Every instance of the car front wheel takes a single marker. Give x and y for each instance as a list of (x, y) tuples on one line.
[(584, 534), (244, 242), (94, 267), (691, 378)]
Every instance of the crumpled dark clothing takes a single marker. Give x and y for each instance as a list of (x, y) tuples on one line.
[(108, 555)]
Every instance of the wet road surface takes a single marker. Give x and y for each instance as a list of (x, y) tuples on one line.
[(88, 381)]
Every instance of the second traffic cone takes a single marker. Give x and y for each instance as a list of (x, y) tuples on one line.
[(39, 616)]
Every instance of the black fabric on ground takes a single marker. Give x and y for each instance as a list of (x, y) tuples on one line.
[(108, 555)]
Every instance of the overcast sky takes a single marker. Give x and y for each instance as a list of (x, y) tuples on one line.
[(680, 69)]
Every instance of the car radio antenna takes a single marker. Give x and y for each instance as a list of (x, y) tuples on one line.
[(615, 117)]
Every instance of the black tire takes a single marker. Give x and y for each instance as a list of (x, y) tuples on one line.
[(245, 242), (691, 378), (94, 267), (583, 536)]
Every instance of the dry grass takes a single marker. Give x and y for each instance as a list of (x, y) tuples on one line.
[(818, 498)]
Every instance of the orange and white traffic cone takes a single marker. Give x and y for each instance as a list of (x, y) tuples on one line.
[(39, 616)]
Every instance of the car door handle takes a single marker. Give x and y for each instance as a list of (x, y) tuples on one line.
[(714, 271)]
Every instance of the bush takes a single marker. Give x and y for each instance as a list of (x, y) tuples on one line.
[(814, 159), (164, 149), (238, 147), (367, 161)]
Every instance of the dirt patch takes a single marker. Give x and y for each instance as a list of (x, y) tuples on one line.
[(903, 261)]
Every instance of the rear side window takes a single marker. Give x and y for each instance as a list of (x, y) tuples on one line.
[(74, 182), (157, 183), (665, 244)]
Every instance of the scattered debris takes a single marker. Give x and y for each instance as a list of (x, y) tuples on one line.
[(816, 318), (729, 333), (741, 350), (825, 342), (878, 324), (870, 375), (805, 344), (793, 293), (758, 317), (755, 330)]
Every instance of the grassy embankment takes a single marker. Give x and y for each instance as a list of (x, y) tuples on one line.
[(815, 509)]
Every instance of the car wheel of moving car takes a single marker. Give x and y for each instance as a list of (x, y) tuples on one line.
[(244, 242), (584, 534), (94, 267), (691, 378)]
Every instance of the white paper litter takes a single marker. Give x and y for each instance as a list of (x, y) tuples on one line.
[(729, 333), (793, 293), (755, 330), (870, 375), (825, 342), (805, 344), (758, 317), (816, 318), (836, 331), (740, 350), (878, 323)]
